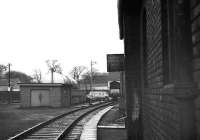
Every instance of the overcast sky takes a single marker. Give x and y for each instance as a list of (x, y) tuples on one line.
[(72, 31)]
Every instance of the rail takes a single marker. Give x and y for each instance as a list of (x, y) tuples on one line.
[(27, 133)]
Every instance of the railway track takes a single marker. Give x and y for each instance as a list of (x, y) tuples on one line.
[(61, 127), (76, 131)]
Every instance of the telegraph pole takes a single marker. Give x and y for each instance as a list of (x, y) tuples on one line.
[(9, 76), (52, 75), (91, 76), (9, 87)]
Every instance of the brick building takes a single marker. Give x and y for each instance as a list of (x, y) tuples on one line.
[(162, 68)]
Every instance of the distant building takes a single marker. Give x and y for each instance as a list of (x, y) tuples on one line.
[(100, 81), (114, 87)]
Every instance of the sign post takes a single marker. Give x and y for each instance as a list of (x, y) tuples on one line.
[(115, 62)]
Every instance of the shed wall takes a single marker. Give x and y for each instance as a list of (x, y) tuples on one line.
[(78, 96), (55, 96), (25, 97), (59, 96)]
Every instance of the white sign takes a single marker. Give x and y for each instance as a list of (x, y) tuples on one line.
[(114, 91)]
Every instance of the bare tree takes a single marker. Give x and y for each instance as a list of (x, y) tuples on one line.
[(76, 72), (53, 66), (88, 76), (2, 68), (37, 75), (93, 72)]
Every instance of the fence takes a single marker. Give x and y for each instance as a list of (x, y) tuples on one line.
[(9, 97)]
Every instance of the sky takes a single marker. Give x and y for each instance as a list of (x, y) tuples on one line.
[(74, 32)]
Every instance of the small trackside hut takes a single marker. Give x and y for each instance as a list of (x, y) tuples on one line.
[(44, 94)]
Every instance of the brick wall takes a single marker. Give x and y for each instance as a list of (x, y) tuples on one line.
[(160, 109), (195, 27), (154, 45), (161, 119)]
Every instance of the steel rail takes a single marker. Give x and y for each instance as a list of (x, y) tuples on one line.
[(39, 126), (73, 124)]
